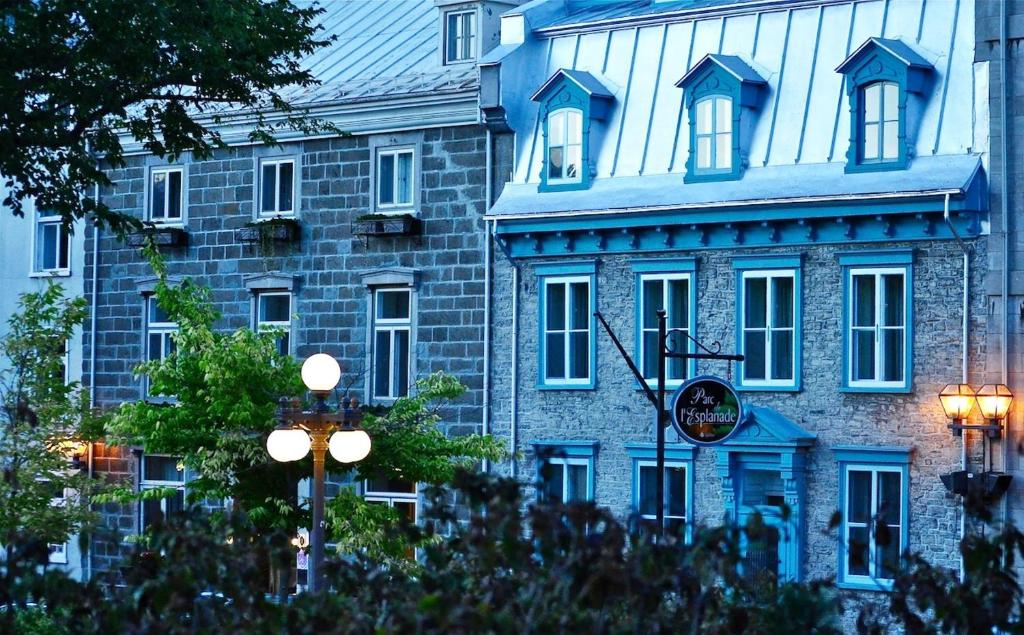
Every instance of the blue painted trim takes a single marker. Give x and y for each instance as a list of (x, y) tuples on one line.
[(673, 451), (880, 259), (585, 269), (768, 262), (885, 457), (790, 263), (665, 265), (580, 450), (581, 268), (876, 257), (573, 449)]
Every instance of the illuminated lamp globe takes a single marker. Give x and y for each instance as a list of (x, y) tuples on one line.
[(994, 401), (349, 446), (288, 444), (957, 401), (321, 373)]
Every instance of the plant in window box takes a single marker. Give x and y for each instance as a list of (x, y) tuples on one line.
[(266, 233), (386, 225), (160, 235)]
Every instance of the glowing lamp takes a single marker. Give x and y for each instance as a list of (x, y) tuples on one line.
[(349, 446), (994, 401), (321, 373), (957, 401), (288, 444)]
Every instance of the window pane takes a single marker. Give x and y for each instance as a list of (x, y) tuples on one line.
[(555, 161), (386, 180), (888, 555), (406, 509), (755, 304), (704, 116), (678, 304), (863, 354), (152, 514), (274, 308), (574, 119), (676, 367), (393, 305), (401, 363), (857, 551), (382, 364), (703, 152), (782, 302), (554, 306), (864, 300), (871, 141), (573, 161), (577, 483), (892, 355), (871, 102), (157, 194), (675, 487), (723, 151), (580, 318), (556, 128), (889, 496), (156, 313), (404, 194), (269, 184), (452, 37), (754, 352), (579, 353), (554, 355), (890, 133), (468, 28), (653, 301), (650, 360), (648, 490), (723, 114), (155, 346), (390, 485), (551, 478), (162, 468), (858, 496), (890, 109), (782, 354), (285, 187), (47, 245), (174, 195), (64, 247), (892, 299), (284, 345)]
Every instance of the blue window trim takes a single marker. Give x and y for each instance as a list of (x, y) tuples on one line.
[(585, 450), (674, 454), (897, 259), (892, 457), (668, 266), (783, 263), (583, 269)]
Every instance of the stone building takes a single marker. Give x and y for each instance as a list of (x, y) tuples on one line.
[(362, 246), (799, 182)]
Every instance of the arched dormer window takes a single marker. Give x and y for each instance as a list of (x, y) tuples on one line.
[(722, 94), (565, 146), (569, 102), (880, 117), (885, 81), (713, 132)]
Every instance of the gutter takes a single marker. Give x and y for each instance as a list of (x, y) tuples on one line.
[(90, 458), (1005, 213), (486, 415), (514, 401)]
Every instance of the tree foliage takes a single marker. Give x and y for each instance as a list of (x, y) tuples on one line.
[(78, 76), (42, 417), (214, 402)]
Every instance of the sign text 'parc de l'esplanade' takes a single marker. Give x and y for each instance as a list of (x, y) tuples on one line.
[(706, 410)]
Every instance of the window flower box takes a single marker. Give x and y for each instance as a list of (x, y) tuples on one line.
[(161, 236), (386, 225), (277, 229)]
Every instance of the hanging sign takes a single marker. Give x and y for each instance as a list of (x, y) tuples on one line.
[(706, 410)]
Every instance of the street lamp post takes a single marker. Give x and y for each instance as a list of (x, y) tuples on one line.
[(321, 431)]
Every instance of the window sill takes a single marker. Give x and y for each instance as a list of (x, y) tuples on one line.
[(766, 387), (881, 586), (51, 273), (898, 390), (888, 166), (553, 386)]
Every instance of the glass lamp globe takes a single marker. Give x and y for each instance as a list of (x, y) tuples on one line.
[(321, 373), (994, 401), (349, 446), (288, 444), (957, 401)]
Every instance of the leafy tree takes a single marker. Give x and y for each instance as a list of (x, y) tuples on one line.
[(222, 392), (41, 418), (76, 74)]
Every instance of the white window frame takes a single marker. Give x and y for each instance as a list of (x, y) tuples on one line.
[(665, 278), (149, 484), (167, 197), (566, 461), (391, 497), (392, 326), (874, 566), (768, 275), (42, 219), (395, 207), (713, 135), (878, 273), (259, 324), (883, 118), (460, 15), (59, 550), (164, 329), (650, 463), (565, 143), (566, 281), (277, 162)]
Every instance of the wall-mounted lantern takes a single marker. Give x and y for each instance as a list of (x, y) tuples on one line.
[(957, 402), (994, 402)]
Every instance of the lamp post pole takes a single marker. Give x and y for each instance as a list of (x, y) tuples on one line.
[(318, 445)]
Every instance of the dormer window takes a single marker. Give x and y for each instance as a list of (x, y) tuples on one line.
[(885, 80), (722, 92), (565, 145), (459, 37), (714, 134), (569, 102)]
